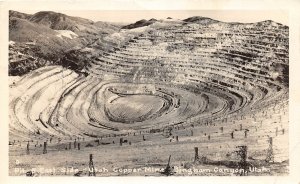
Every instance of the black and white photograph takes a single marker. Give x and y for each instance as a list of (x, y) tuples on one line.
[(164, 93)]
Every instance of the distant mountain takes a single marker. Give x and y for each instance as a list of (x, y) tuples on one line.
[(200, 20), (153, 20), (140, 23), (267, 23), (206, 20), (60, 21), (19, 15)]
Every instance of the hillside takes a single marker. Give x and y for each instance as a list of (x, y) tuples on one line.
[(21, 30), (51, 36)]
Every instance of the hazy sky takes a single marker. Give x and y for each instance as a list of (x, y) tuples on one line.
[(135, 15)]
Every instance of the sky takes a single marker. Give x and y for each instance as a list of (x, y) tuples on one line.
[(130, 16)]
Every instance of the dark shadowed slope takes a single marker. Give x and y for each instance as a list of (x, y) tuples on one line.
[(140, 23)]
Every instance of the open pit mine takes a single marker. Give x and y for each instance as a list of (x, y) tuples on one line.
[(155, 98)]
